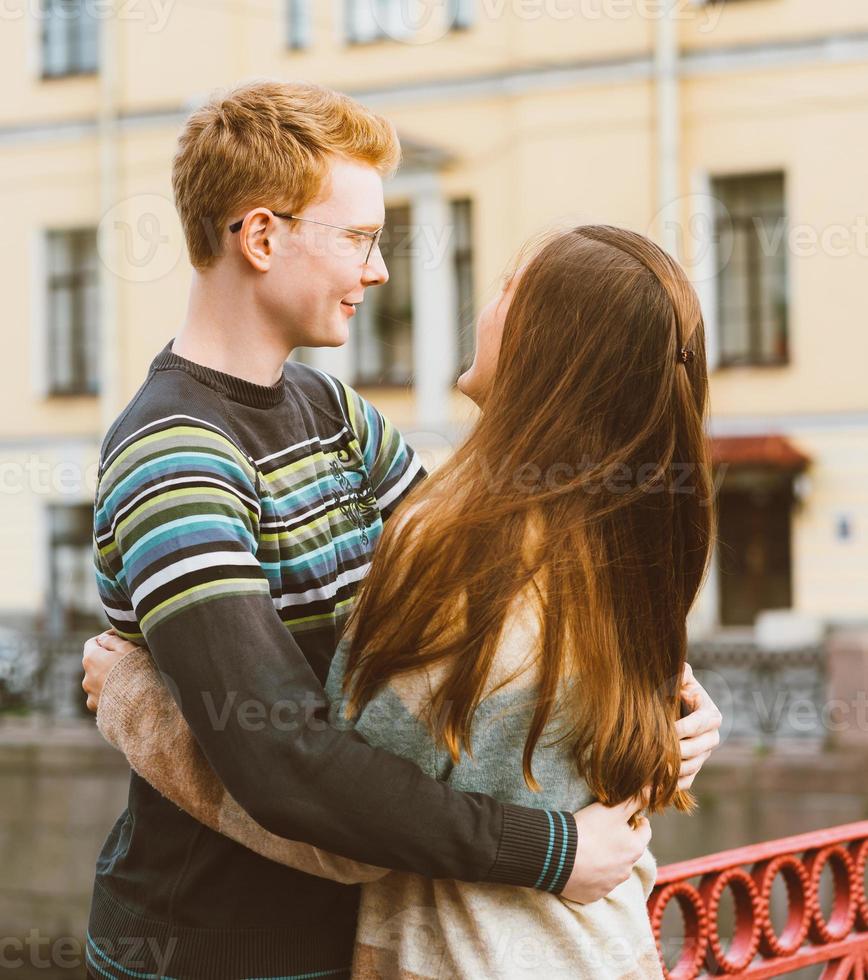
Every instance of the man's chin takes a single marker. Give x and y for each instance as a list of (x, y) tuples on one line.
[(336, 335)]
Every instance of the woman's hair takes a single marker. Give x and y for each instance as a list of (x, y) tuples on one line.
[(268, 144), (585, 484)]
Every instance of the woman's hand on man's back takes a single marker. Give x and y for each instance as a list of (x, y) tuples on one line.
[(699, 731), (613, 839)]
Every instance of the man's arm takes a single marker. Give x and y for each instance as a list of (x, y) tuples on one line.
[(177, 531), (137, 715)]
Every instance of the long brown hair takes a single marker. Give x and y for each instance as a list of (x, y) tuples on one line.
[(586, 482)]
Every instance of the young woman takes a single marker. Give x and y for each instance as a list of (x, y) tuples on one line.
[(522, 630)]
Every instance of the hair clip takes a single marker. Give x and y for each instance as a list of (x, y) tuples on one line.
[(686, 355)]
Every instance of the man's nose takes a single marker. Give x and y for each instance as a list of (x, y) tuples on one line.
[(375, 272)]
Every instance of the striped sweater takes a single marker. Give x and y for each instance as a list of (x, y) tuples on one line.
[(410, 927), (233, 524)]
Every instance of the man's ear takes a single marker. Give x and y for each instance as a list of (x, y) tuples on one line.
[(255, 239)]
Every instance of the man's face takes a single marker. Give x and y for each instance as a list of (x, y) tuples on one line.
[(316, 275)]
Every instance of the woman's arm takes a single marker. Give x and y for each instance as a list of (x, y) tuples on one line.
[(137, 714)]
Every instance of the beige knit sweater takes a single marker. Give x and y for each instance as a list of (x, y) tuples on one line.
[(412, 927)]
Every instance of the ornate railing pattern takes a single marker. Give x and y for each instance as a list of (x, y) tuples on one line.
[(41, 672), (756, 950), (757, 689)]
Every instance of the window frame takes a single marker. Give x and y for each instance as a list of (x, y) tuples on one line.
[(74, 38), (461, 15), (299, 25), (464, 256), (360, 379), (65, 618), (75, 279), (752, 355)]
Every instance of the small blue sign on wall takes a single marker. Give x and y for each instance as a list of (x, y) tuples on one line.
[(844, 530)]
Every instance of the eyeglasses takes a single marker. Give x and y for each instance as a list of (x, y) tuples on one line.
[(373, 236)]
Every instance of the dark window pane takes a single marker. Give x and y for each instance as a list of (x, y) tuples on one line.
[(300, 26), (462, 219), (384, 335), (73, 312), (70, 38), (73, 600), (461, 13), (362, 21), (371, 20), (754, 546), (752, 287)]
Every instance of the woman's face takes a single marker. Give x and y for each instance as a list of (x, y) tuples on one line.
[(476, 380)]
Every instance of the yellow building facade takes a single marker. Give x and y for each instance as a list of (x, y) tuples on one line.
[(735, 132)]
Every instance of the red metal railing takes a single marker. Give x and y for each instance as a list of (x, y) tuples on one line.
[(756, 950)]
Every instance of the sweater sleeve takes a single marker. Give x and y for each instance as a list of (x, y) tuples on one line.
[(138, 716), (176, 534)]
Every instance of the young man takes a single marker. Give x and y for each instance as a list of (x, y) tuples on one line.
[(239, 500)]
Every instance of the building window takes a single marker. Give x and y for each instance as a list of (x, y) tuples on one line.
[(462, 222), (72, 313), (383, 349), (752, 285), (73, 599), (374, 20), (299, 23), (461, 13), (70, 38), (382, 343), (754, 546)]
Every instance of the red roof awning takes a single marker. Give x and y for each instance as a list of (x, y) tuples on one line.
[(775, 452)]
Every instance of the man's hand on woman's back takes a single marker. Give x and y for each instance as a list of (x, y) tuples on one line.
[(608, 848)]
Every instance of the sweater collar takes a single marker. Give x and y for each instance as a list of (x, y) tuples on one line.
[(237, 389)]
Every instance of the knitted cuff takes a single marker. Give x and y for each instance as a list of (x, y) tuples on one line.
[(537, 849), (121, 696)]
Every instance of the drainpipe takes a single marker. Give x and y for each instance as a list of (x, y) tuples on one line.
[(110, 373), (668, 127)]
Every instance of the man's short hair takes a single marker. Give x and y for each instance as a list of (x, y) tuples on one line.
[(268, 144)]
